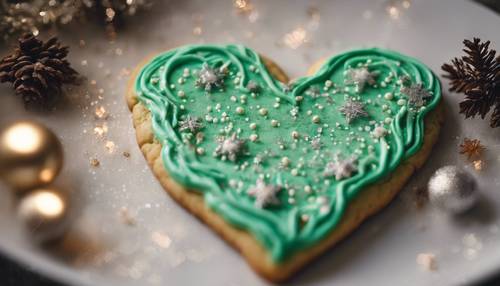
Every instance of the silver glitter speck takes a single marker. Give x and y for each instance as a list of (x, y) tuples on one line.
[(264, 194), (352, 110)]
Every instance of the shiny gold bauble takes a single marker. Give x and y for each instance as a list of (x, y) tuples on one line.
[(44, 211), (30, 155)]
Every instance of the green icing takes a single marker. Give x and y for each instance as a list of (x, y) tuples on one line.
[(310, 200)]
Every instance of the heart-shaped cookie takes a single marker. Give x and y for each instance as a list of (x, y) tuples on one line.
[(283, 170)]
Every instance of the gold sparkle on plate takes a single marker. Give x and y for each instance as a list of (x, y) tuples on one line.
[(100, 112), (161, 239), (94, 162), (101, 130), (110, 146), (395, 8), (295, 38), (197, 31), (243, 6), (478, 165)]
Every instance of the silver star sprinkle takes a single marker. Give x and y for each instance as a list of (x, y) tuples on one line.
[(191, 123), (208, 77), (264, 194), (230, 148), (416, 93), (360, 77), (352, 110), (316, 143), (341, 168)]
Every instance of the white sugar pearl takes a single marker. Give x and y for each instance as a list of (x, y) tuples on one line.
[(240, 110), (285, 161), (316, 119), (308, 189)]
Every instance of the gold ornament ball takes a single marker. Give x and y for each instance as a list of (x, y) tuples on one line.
[(45, 213), (30, 155)]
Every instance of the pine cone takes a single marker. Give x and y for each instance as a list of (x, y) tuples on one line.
[(38, 70)]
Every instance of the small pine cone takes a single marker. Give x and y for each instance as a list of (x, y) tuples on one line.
[(38, 70)]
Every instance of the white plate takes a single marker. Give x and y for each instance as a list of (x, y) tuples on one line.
[(167, 245)]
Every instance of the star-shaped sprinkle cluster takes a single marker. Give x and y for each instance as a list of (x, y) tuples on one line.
[(191, 124), (230, 148), (352, 110), (265, 194), (360, 77), (208, 77), (341, 169), (416, 94)]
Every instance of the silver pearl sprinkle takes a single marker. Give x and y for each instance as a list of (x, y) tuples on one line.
[(453, 189)]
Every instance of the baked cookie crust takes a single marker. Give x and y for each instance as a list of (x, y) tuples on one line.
[(368, 202)]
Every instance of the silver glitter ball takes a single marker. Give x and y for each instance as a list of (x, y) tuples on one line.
[(453, 189)]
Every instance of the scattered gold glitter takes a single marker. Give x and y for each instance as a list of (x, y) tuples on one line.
[(427, 261), (94, 162), (101, 130), (395, 8), (243, 6), (197, 31), (126, 217), (161, 239), (478, 165), (100, 112), (295, 38), (110, 146)]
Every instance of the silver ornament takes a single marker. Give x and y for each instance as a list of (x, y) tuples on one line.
[(453, 189)]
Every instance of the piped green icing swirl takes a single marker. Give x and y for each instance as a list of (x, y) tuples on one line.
[(293, 142)]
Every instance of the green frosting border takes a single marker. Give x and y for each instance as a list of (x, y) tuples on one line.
[(282, 240)]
